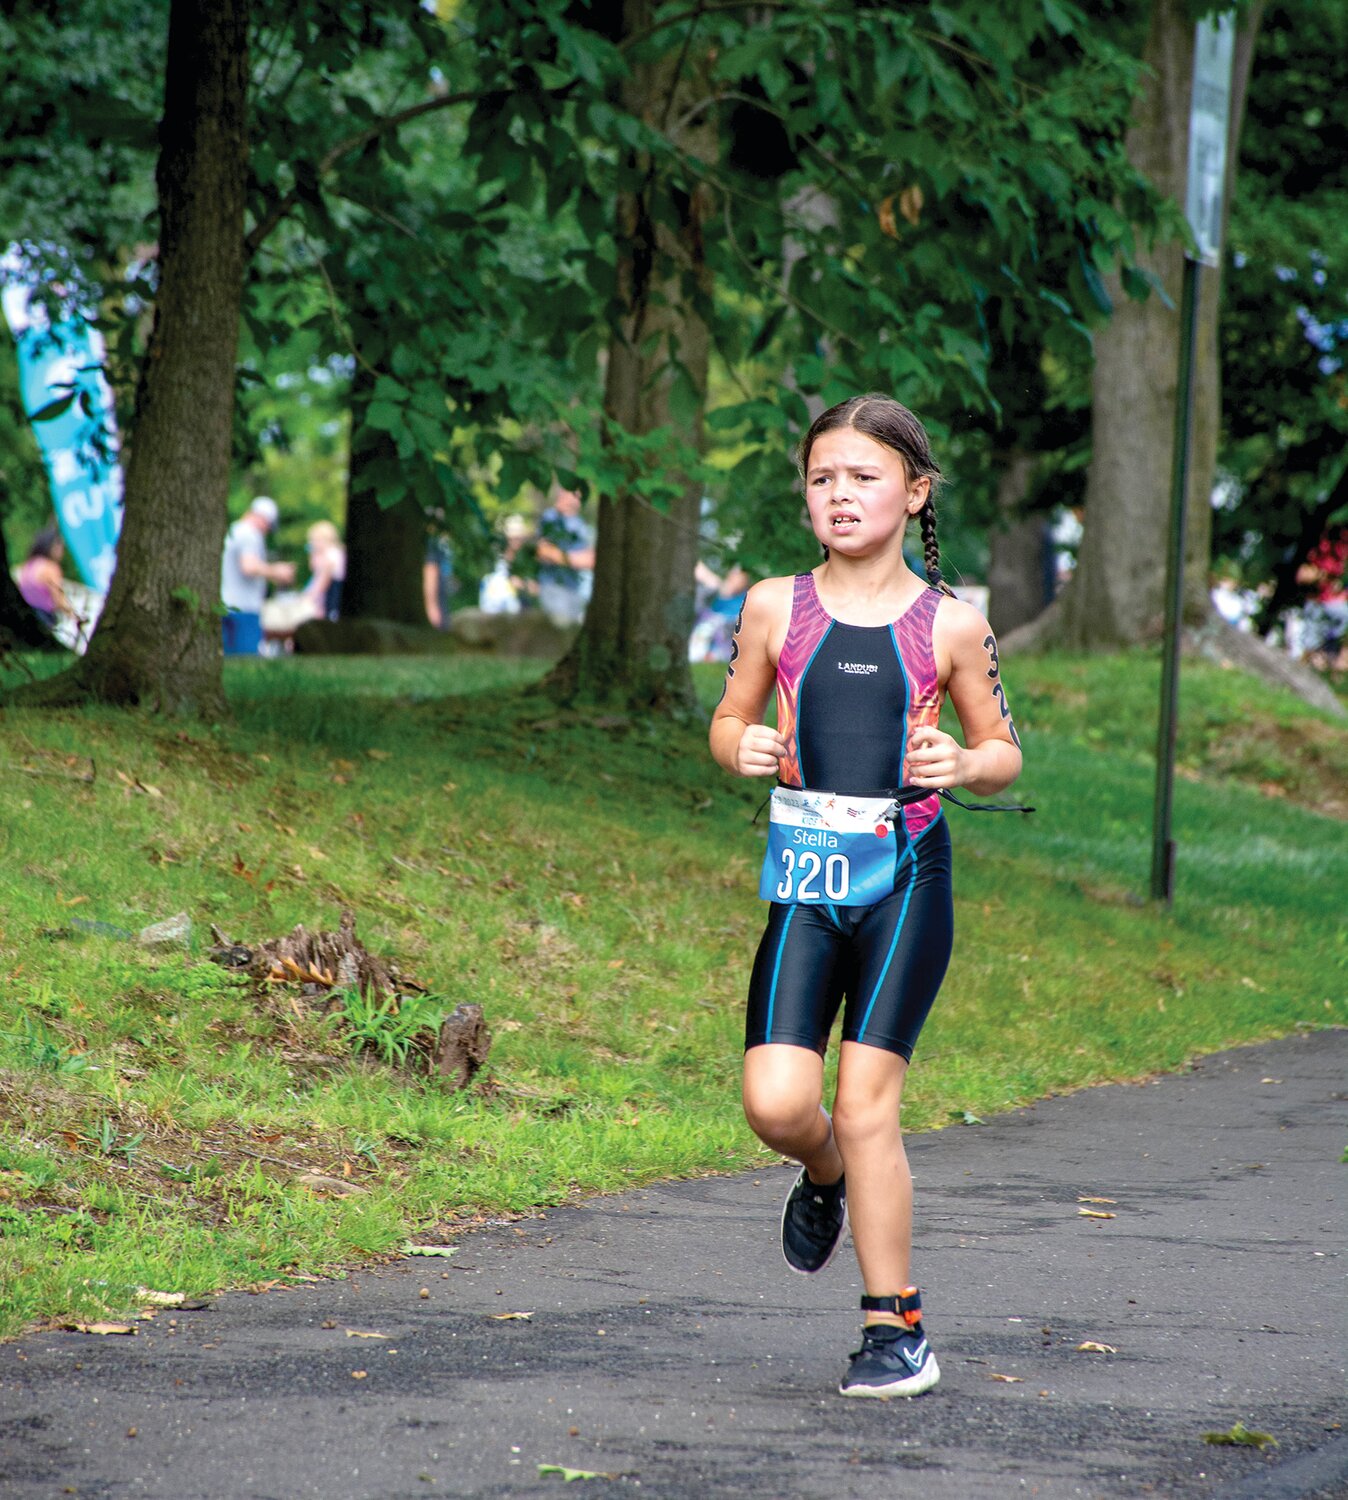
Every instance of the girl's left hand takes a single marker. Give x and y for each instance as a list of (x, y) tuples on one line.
[(935, 758)]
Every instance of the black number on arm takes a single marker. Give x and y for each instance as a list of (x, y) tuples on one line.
[(998, 691), (990, 645), (734, 654)]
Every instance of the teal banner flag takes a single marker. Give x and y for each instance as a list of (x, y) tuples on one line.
[(69, 403)]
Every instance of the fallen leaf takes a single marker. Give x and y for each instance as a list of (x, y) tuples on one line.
[(1091, 1347), (1008, 1379), (1241, 1436), (1095, 1213), (1097, 1200), (910, 204), (443, 1250), (511, 1317), (569, 1474), (99, 1327), (379, 754), (359, 1374), (1270, 1080), (356, 1333), (150, 1298), (884, 214)]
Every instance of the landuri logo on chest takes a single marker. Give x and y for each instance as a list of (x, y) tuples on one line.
[(858, 668)]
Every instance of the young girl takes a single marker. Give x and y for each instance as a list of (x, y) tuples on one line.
[(861, 652)]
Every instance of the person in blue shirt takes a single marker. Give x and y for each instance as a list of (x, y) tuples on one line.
[(565, 560)]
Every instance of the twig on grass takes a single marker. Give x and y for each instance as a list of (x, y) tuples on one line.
[(88, 777)]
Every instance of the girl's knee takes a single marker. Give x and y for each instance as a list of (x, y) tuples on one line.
[(780, 1123), (857, 1122)]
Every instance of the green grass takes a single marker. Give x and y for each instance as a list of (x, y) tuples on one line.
[(591, 884)]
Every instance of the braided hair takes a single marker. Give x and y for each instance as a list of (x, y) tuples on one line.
[(891, 424)]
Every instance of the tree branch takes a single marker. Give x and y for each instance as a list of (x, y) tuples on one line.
[(781, 291), (254, 239)]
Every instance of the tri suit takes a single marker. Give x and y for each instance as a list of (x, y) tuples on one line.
[(847, 698)]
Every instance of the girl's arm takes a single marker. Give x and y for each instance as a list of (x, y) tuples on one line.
[(740, 742), (967, 661)]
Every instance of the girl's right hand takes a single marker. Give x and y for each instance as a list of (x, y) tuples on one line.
[(759, 750)]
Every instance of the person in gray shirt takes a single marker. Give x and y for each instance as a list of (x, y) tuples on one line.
[(245, 574)]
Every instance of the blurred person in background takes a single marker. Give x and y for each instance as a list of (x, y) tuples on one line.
[(565, 559), (327, 570), (244, 575), (502, 591), (41, 579)]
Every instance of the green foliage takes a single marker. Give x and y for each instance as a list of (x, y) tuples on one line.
[(1285, 316), (35, 1046), (910, 197), (388, 1025)]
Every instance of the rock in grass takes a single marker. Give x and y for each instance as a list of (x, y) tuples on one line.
[(335, 1187), (173, 932)]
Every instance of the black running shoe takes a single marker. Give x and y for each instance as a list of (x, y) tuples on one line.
[(892, 1361), (814, 1220)]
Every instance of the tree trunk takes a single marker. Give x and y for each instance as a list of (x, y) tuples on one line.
[(1016, 579), (158, 641), (385, 547), (633, 647), (1117, 594)]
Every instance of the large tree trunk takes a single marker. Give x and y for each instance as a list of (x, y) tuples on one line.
[(158, 641), (1016, 563), (1117, 594), (633, 647), (385, 547)]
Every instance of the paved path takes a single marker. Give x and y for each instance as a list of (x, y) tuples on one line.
[(669, 1348)]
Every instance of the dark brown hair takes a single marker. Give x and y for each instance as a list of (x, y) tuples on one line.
[(890, 423)]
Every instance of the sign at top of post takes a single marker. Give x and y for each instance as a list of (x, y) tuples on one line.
[(1209, 113)]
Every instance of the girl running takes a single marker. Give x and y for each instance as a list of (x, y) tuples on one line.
[(861, 652)]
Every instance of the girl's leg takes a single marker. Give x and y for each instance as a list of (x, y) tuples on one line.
[(879, 1184), (783, 1103)]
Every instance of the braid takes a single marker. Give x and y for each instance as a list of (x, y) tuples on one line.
[(931, 551)]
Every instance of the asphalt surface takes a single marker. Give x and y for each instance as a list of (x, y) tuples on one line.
[(670, 1351)]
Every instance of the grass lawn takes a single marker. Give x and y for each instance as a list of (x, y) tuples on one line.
[(591, 883)]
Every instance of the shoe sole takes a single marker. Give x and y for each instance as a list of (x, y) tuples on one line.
[(915, 1385), (828, 1259)]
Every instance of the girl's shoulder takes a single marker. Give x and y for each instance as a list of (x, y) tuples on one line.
[(959, 619), (769, 598)]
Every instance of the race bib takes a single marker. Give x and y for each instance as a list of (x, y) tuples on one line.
[(826, 848)]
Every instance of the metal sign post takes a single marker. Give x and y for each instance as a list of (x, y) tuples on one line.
[(1209, 113)]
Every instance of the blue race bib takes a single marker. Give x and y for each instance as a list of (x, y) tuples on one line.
[(825, 848)]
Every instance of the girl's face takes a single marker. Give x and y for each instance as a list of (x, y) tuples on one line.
[(858, 492)]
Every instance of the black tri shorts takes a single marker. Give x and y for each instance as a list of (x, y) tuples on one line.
[(886, 962)]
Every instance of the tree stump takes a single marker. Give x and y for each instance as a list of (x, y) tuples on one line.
[(319, 962), (462, 1046)]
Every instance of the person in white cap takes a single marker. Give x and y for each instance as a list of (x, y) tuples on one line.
[(245, 574)]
